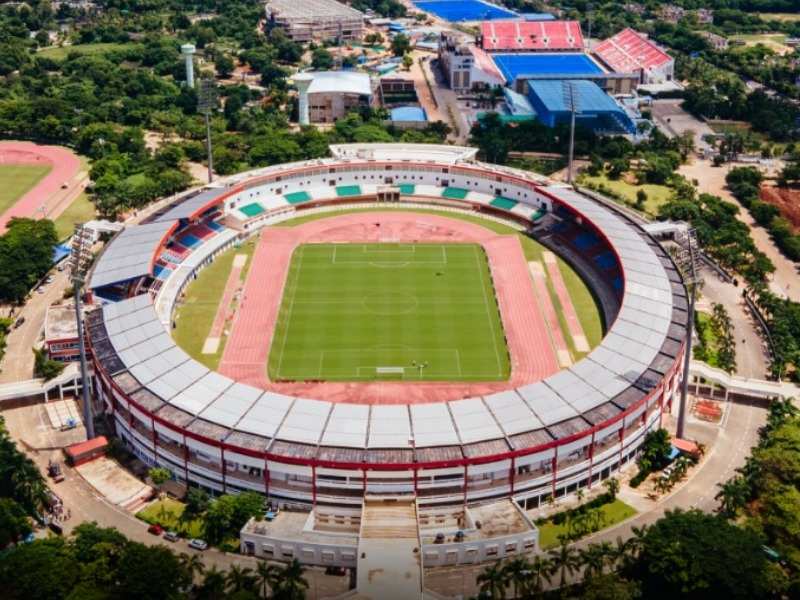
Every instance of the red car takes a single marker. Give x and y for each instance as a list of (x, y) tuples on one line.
[(155, 529)]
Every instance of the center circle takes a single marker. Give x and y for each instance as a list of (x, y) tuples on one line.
[(381, 303)]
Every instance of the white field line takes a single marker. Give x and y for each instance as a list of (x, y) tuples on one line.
[(488, 313), (291, 306)]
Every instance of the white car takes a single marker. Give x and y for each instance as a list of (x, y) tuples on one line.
[(198, 544)]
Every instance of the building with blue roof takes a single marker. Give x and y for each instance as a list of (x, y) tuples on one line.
[(595, 109)]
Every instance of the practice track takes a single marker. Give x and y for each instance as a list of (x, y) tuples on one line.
[(246, 352), (48, 192)]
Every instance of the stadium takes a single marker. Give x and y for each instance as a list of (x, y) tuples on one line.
[(386, 336)]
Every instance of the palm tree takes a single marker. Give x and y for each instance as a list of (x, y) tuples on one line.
[(732, 496), (593, 560), (540, 569), (267, 575), (492, 582), (620, 554), (612, 486), (240, 578), (213, 587), (291, 585), (192, 566), (565, 561), (518, 572)]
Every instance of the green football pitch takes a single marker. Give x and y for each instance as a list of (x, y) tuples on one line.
[(360, 312)]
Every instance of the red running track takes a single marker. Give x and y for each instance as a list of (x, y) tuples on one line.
[(64, 166), (247, 349)]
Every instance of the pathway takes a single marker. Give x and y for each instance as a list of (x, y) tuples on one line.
[(711, 180)]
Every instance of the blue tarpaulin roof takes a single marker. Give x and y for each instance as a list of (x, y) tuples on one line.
[(545, 65), (60, 252)]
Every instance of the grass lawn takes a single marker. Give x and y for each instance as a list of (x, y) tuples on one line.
[(80, 211), (194, 316), (585, 304), (17, 180), (167, 513), (543, 166), (197, 310), (613, 513), (361, 312), (60, 53), (779, 16), (707, 351), (656, 194)]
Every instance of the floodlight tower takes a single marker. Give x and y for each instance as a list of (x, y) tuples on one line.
[(572, 103), (302, 81), (188, 50), (686, 261), (79, 262), (206, 102)]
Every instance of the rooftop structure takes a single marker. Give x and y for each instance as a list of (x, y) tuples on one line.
[(315, 20), (330, 95), (341, 82), (531, 36), (631, 52), (594, 108)]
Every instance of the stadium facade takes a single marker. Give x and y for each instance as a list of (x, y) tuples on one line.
[(545, 439)]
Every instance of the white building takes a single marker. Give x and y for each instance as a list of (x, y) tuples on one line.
[(466, 67), (332, 94)]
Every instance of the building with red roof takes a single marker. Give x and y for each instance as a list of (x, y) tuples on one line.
[(632, 52), (535, 36)]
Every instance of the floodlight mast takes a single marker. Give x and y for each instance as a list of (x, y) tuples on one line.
[(80, 259), (206, 102), (688, 266), (570, 96)]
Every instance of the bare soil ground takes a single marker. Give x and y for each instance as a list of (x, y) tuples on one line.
[(787, 200)]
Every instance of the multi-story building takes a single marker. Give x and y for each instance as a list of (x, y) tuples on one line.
[(315, 20)]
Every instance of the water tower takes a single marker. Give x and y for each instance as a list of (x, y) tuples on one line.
[(302, 82), (188, 51)]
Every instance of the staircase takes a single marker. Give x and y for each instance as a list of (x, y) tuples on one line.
[(389, 562)]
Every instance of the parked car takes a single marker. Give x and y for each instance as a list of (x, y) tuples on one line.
[(155, 529), (19, 322), (171, 536), (197, 544)]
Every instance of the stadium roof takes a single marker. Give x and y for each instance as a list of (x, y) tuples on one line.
[(130, 254), (588, 95), (195, 204), (342, 82), (312, 9), (518, 104), (629, 51), (531, 35)]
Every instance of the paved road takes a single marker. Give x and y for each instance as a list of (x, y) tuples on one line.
[(673, 121), (17, 364), (711, 180)]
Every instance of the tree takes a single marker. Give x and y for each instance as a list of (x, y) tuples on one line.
[(688, 553), (26, 254), (192, 566), (14, 524), (291, 585), (610, 587), (732, 496), (240, 579), (159, 475), (401, 45), (492, 582), (213, 586), (612, 487), (321, 59), (149, 572), (540, 570), (267, 577), (641, 199), (517, 572), (565, 560), (408, 62), (224, 65), (45, 367)]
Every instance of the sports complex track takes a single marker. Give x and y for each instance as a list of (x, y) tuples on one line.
[(247, 350), (48, 192)]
